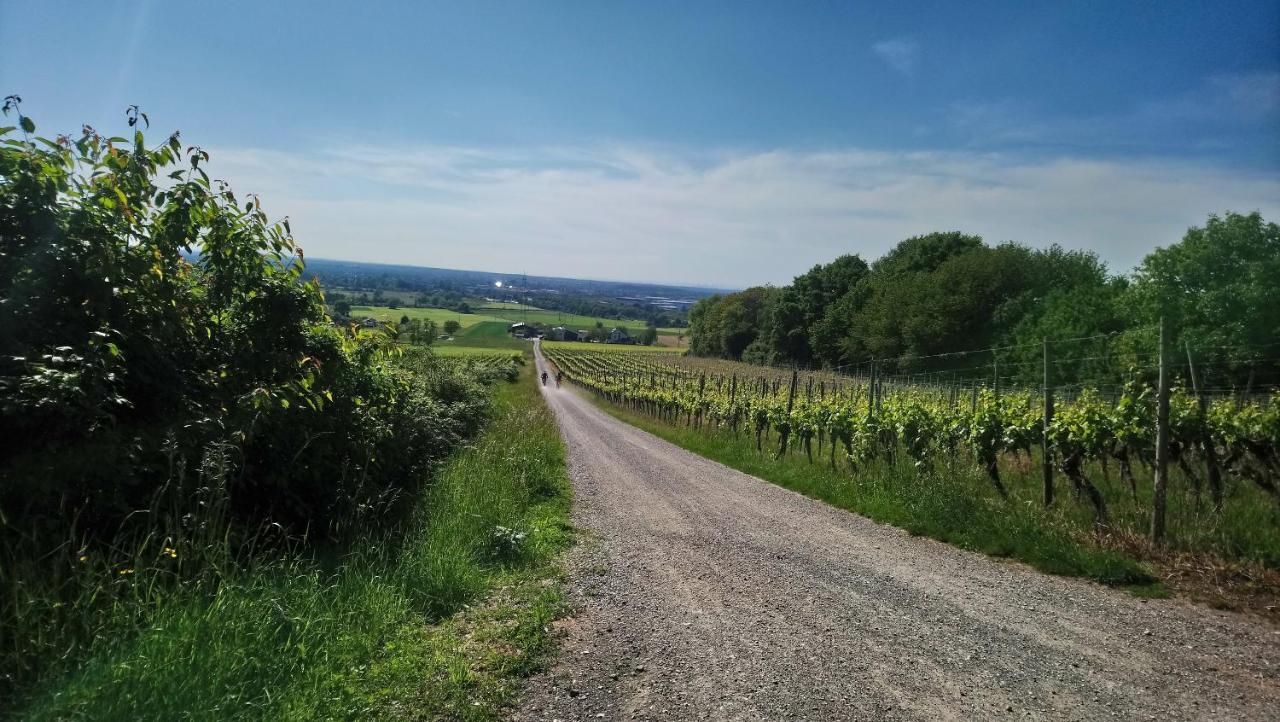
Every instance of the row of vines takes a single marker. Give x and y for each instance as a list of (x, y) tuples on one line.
[(1219, 444)]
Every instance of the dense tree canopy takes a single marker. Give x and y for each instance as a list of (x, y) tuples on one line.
[(948, 292)]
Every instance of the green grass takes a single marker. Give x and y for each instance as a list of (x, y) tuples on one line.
[(451, 350), (503, 306), (439, 315), (490, 335), (505, 313), (954, 506), (609, 347), (574, 321), (381, 634)]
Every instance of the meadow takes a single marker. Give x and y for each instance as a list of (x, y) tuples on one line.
[(507, 314), (450, 350), (438, 315)]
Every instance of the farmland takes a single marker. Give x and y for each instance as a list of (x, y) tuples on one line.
[(508, 313), (437, 315), (610, 348), (445, 350), (978, 445)]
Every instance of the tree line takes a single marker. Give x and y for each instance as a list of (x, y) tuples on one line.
[(948, 292)]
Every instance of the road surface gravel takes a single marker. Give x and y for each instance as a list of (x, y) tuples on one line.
[(705, 593)]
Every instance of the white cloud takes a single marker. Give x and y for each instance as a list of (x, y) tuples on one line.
[(726, 219), (899, 53), (1211, 114)]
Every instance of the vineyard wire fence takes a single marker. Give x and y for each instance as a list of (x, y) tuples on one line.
[(1069, 369)]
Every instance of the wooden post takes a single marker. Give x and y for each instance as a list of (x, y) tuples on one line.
[(995, 377), (1045, 445), (733, 409), (871, 391), (702, 385), (791, 395), (1206, 440), (791, 398), (1162, 444)]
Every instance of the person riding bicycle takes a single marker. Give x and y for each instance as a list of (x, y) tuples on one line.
[(559, 375), (544, 378)]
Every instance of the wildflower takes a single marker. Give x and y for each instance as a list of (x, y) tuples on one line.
[(125, 571), (84, 557), (170, 552)]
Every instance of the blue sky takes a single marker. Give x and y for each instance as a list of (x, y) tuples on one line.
[(696, 142)]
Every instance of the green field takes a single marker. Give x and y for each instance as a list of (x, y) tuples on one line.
[(451, 350), (487, 334), (609, 347), (507, 313), (574, 321), (503, 306), (439, 315)]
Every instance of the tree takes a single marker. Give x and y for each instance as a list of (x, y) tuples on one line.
[(724, 326), (342, 308), (452, 326), (649, 337), (1217, 290), (922, 254), (795, 312)]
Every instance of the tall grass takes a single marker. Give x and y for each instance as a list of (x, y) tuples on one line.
[(390, 630)]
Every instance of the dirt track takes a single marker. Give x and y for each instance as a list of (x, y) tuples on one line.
[(705, 593)]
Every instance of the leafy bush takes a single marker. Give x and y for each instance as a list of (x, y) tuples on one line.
[(172, 394)]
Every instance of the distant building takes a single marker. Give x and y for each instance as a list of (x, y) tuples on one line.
[(583, 335), (523, 330), (560, 333), (619, 335), (370, 323)]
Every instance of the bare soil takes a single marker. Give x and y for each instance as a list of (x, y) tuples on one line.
[(704, 593)]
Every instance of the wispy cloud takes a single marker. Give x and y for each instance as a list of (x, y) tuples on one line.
[(1218, 112), (901, 54), (724, 218)]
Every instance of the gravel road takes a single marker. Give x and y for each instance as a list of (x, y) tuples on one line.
[(704, 593)]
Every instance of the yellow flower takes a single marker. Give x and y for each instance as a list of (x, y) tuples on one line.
[(126, 571), (84, 557), (171, 552)]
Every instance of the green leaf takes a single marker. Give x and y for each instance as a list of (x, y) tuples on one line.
[(27, 124)]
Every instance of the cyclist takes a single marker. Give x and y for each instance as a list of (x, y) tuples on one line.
[(559, 375), (544, 378)]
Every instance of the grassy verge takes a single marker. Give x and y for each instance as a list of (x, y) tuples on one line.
[(951, 505), (440, 624)]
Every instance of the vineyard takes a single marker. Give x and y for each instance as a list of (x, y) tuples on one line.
[(1222, 451)]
